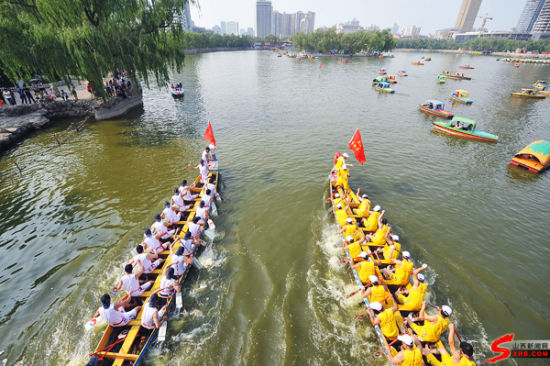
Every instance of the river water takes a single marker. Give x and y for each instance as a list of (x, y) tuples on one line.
[(273, 290)]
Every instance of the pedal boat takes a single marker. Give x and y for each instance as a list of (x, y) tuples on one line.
[(464, 128), (535, 157)]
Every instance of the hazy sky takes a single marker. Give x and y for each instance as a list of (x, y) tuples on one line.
[(429, 14)]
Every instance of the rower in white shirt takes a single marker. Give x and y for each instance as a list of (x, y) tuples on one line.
[(153, 244), (195, 229), (203, 170), (169, 283), (208, 199), (206, 156), (185, 192), (188, 244), (202, 213), (132, 284), (170, 215), (159, 228), (180, 260), (149, 261), (116, 314), (152, 317), (177, 201)]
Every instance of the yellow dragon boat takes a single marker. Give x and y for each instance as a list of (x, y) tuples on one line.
[(343, 198)]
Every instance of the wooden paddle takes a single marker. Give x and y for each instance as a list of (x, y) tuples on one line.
[(356, 291)]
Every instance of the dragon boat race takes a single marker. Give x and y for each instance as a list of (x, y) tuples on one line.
[(275, 202)]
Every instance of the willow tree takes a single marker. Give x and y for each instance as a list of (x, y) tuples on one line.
[(90, 38)]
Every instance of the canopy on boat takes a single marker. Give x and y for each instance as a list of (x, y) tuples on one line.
[(436, 104), (462, 93), (403, 71), (465, 123), (380, 79), (384, 85), (540, 150)]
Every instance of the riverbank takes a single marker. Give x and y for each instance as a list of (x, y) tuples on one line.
[(195, 51), (16, 122), (470, 52)]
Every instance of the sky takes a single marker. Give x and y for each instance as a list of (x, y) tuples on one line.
[(428, 14)]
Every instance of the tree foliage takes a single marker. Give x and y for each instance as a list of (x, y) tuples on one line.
[(208, 40), (477, 44), (329, 40), (90, 38)]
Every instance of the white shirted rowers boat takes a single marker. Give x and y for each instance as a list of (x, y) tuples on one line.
[(127, 345)]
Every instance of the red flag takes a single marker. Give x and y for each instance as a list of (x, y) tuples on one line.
[(209, 134), (356, 144)]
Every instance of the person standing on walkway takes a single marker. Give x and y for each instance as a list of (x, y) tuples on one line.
[(29, 95), (12, 97), (22, 96)]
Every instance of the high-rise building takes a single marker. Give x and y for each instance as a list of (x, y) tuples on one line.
[(467, 15), (310, 22), (529, 15), (276, 23), (223, 26), (541, 27), (285, 24), (411, 31), (395, 28), (348, 27), (184, 18), (233, 28), (263, 18)]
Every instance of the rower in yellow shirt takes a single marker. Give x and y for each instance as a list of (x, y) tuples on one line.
[(411, 298), (409, 355), (379, 237), (341, 162), (354, 247), (364, 205), (364, 267), (350, 228), (458, 357), (392, 248), (371, 223), (401, 273), (377, 292), (384, 318), (341, 214), (434, 325)]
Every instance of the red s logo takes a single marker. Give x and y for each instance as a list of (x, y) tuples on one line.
[(504, 352)]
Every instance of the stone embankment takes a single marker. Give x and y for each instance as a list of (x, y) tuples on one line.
[(18, 121)]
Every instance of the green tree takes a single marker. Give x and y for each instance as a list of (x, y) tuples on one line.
[(90, 38)]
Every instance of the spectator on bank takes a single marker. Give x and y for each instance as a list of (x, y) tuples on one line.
[(64, 95), (22, 96), (73, 92), (12, 97), (29, 95)]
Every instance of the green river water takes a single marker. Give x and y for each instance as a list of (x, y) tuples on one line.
[(273, 289)]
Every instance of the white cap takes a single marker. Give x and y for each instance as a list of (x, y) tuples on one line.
[(377, 208), (337, 195), (395, 237), (339, 205), (446, 309), (421, 277), (365, 195), (373, 278), (349, 220), (405, 338), (363, 255), (375, 306), (424, 265), (349, 238), (345, 155), (406, 254)]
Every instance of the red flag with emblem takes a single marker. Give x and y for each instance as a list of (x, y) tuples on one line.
[(356, 144), (209, 135)]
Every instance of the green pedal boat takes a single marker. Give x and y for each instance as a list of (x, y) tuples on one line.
[(465, 128)]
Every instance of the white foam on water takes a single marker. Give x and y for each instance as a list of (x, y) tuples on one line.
[(211, 259)]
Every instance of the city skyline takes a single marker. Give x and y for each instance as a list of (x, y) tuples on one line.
[(378, 12)]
